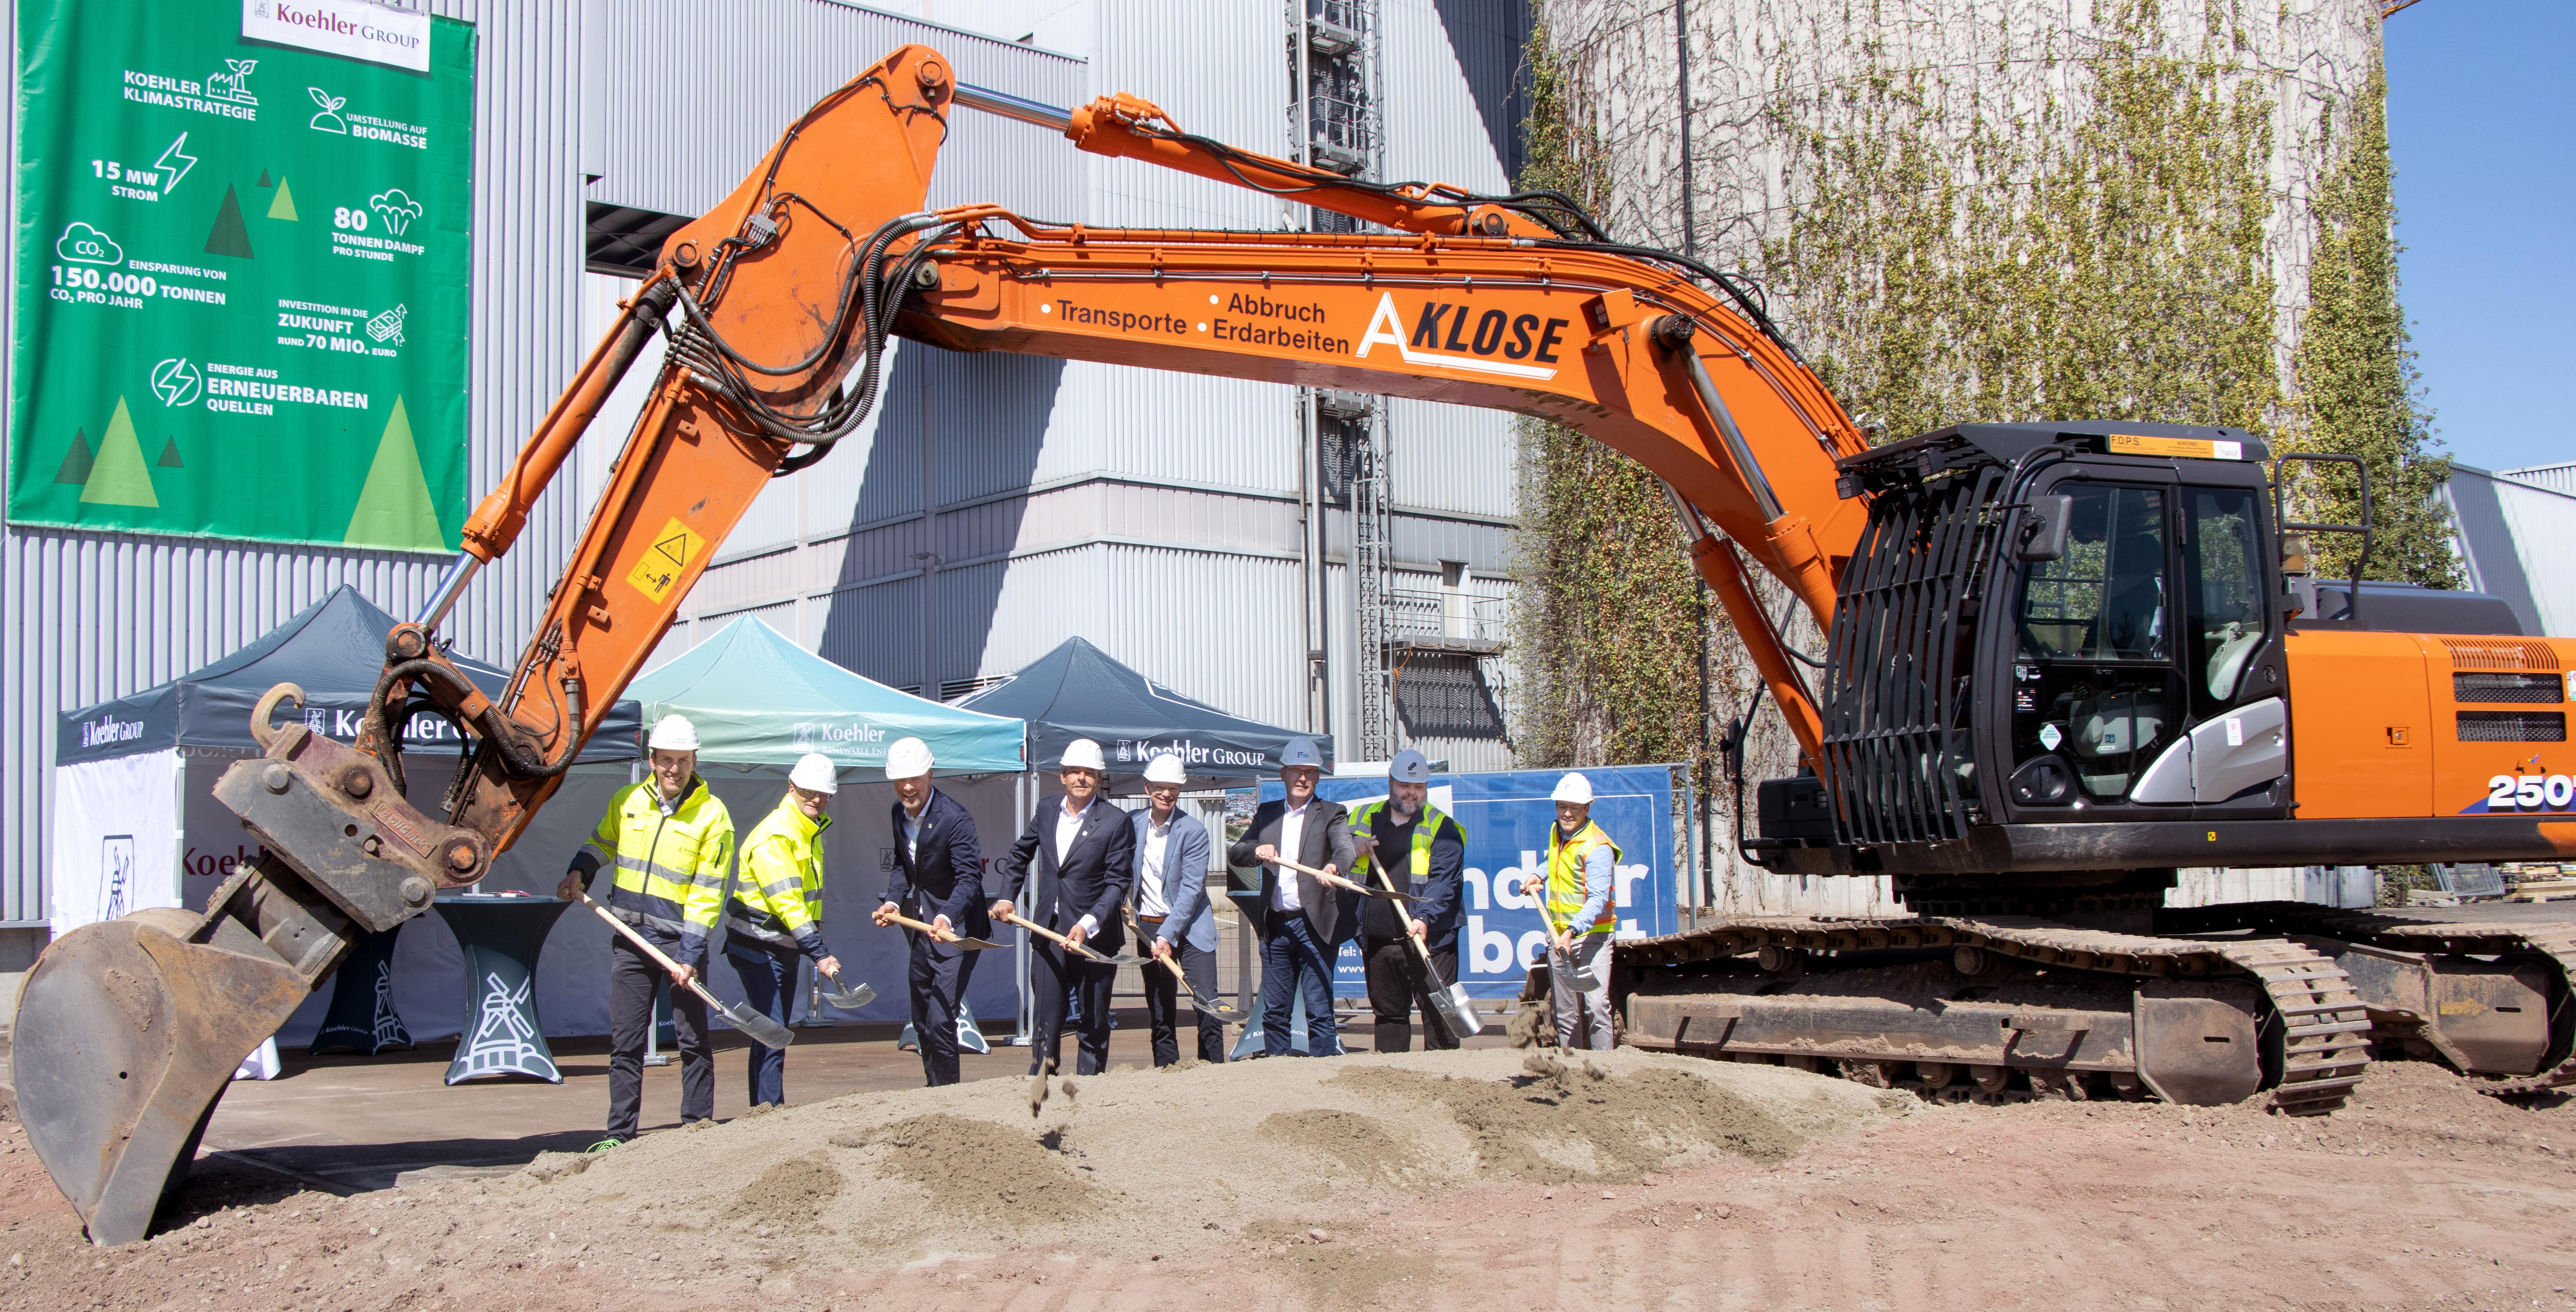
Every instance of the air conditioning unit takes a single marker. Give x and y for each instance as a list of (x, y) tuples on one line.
[(1331, 40), (1344, 405), (1338, 159)]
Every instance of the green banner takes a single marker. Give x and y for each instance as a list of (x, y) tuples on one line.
[(242, 278)]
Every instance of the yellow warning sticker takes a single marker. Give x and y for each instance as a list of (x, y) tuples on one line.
[(2128, 444), (667, 555)]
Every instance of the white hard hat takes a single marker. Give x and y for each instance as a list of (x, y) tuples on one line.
[(673, 733), (814, 774), (909, 758), (1573, 788), (1166, 769), (1082, 753)]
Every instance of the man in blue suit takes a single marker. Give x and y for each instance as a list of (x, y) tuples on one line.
[(938, 878), (1075, 861), (1172, 911)]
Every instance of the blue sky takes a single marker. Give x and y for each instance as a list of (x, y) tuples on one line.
[(2481, 115)]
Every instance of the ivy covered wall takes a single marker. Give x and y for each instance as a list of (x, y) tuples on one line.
[(2168, 210), (1608, 627)]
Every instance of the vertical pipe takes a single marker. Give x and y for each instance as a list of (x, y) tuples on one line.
[(1681, 84)]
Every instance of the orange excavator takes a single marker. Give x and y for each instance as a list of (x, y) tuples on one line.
[(2062, 659)]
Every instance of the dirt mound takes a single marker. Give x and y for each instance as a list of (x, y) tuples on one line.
[(1587, 1123), (1364, 1146), (789, 1195), (984, 1172)]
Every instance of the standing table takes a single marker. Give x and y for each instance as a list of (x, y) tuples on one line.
[(500, 935), (362, 1018)]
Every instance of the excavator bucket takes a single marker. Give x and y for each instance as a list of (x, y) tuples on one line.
[(128, 1030)]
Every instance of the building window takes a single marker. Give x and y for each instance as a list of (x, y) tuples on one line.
[(1445, 696)]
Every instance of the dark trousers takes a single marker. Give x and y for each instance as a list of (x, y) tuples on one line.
[(769, 985), (1162, 1003), (1051, 979), (938, 981), (1296, 961), (1396, 985), (631, 980)]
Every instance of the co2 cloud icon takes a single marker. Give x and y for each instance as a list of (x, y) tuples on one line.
[(83, 244), (397, 209)]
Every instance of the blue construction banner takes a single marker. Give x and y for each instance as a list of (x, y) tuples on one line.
[(1506, 815)]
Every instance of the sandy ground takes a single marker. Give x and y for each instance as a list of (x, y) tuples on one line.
[(1426, 1180)]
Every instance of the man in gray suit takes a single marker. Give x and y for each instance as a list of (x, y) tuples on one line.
[(1302, 919), (1172, 912)]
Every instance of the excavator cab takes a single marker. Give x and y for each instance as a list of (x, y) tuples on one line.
[(2135, 681)]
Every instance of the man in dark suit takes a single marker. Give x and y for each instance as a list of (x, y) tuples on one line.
[(1076, 860), (1302, 920), (938, 878)]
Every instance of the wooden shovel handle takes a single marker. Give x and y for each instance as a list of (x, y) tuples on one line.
[(1336, 881), (647, 945), (1043, 932), (943, 935)]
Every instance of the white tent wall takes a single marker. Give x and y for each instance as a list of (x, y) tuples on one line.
[(115, 838)]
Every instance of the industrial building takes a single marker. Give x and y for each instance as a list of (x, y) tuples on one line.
[(1282, 554)]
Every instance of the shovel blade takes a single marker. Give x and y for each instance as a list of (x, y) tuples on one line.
[(1456, 1011), (852, 999), (763, 1031)]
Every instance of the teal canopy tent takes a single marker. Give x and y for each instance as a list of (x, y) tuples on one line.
[(759, 699)]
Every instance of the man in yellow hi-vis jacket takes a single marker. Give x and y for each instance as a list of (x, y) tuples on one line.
[(776, 912), (672, 844)]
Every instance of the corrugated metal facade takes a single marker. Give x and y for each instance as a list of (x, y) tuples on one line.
[(1154, 514), (98, 615), (2512, 532)]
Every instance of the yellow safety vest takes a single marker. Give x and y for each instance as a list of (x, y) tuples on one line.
[(1426, 829), (1565, 859), (671, 865), (779, 900)]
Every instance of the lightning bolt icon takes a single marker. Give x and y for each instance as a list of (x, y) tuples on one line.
[(175, 162)]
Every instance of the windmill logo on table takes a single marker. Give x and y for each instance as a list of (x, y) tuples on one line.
[(503, 1034)]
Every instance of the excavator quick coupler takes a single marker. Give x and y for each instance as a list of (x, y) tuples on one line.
[(129, 1030)]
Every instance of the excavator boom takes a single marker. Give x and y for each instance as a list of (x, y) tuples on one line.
[(778, 303)]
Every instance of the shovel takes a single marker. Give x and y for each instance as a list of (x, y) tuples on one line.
[(1084, 949), (850, 999), (1223, 1011), (947, 935), (764, 1031), (1583, 978), (1451, 1004), (1383, 894)]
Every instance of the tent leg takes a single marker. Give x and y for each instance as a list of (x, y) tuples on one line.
[(1025, 794)]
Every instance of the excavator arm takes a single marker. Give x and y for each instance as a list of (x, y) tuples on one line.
[(779, 303)]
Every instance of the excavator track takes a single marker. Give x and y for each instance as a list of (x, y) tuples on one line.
[(2323, 1028), (2553, 943)]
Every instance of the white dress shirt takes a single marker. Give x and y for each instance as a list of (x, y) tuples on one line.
[(1149, 866), (912, 829), (1292, 845), (1068, 827)]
